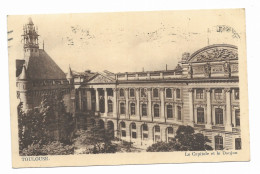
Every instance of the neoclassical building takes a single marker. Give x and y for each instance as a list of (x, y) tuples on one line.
[(142, 107), (146, 107)]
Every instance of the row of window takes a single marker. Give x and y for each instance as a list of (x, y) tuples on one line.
[(144, 131), (156, 110), (218, 94), (218, 116), (219, 145), (143, 93)]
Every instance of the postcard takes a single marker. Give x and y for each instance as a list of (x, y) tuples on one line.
[(128, 88)]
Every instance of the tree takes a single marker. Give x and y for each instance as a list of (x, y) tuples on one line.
[(95, 140), (185, 140), (42, 125)]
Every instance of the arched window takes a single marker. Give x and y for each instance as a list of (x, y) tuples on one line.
[(155, 93), (219, 115), (199, 93), (168, 93), (200, 115), (121, 93), (122, 124), (157, 128), (237, 116), (156, 110), (122, 108), (143, 92), (179, 112), (178, 93), (133, 126), (110, 106), (169, 111), (144, 110), (132, 92), (132, 108), (218, 143)]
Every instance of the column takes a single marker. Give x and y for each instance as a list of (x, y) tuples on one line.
[(89, 107), (126, 103), (175, 112), (162, 104), (209, 122), (106, 101), (80, 100), (228, 125), (149, 107), (114, 102), (191, 106), (97, 100), (138, 102)]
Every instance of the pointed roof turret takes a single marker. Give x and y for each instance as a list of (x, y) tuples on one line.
[(30, 22), (69, 75), (23, 75)]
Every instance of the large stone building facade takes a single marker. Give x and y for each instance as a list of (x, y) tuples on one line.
[(142, 107), (146, 107)]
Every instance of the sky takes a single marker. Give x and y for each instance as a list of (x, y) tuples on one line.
[(127, 41)]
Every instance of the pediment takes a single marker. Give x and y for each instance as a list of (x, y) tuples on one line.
[(99, 78), (215, 53)]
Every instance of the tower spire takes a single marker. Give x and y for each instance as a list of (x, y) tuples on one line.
[(30, 39)]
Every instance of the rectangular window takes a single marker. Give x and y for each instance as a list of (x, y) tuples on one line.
[(178, 93), (219, 116), (200, 115), (218, 94), (156, 110), (218, 143), (133, 134), (144, 110), (132, 92), (145, 135), (179, 112), (237, 116), (123, 133), (199, 94), (236, 93), (237, 143), (155, 93), (157, 138), (169, 111), (143, 92), (122, 108)]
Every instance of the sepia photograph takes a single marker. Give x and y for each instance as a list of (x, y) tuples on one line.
[(164, 86)]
